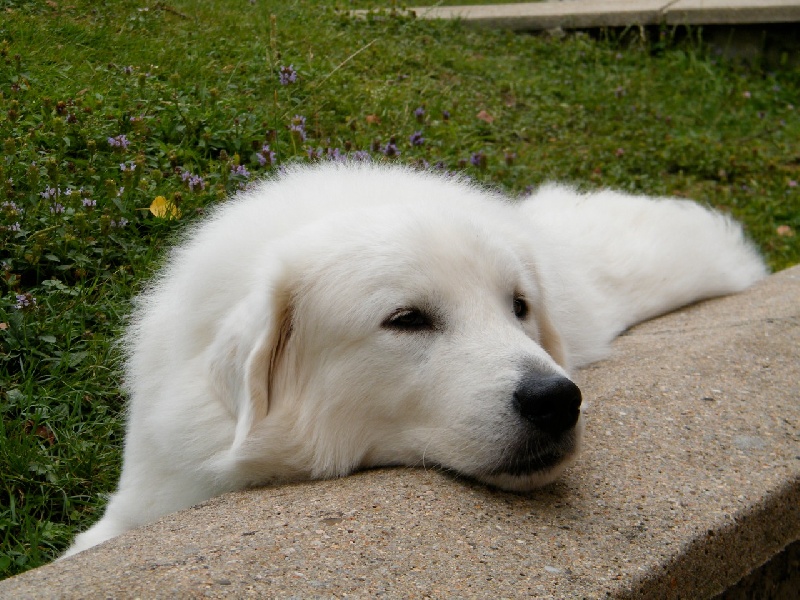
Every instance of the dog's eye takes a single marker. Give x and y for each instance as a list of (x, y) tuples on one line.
[(408, 319), (520, 307)]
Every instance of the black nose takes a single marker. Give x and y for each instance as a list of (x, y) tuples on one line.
[(552, 403)]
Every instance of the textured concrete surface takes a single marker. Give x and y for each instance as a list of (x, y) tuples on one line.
[(779, 579), (616, 13), (728, 12), (689, 480)]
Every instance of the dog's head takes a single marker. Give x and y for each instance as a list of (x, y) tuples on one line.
[(401, 336)]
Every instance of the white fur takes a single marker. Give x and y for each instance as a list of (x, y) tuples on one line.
[(261, 353)]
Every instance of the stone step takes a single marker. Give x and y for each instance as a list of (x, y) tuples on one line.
[(579, 14), (689, 480)]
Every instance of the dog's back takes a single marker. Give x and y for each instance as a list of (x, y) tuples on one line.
[(631, 258)]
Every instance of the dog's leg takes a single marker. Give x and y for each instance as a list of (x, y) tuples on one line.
[(105, 529)]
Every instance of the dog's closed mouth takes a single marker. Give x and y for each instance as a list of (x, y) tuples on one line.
[(529, 461)]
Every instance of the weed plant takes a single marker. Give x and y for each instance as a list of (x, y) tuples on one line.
[(123, 120)]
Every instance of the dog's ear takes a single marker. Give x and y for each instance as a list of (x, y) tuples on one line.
[(246, 352), (550, 339)]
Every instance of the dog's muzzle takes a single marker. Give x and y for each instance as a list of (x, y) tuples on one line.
[(549, 407)]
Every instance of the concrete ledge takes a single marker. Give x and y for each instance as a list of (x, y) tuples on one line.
[(732, 12), (579, 14), (571, 14), (690, 479)]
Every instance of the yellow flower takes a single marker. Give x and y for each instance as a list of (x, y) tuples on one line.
[(164, 209)]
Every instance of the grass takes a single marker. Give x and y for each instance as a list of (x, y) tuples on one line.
[(195, 88)]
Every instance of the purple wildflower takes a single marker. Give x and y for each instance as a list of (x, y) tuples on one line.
[(792, 183), (361, 156), (89, 203), (335, 154), (128, 167), (127, 70), (266, 156), (421, 164), (288, 75), (314, 154), (416, 139), (14, 227), (478, 159), (56, 209), (10, 206), (195, 182), (240, 170), (446, 115), (120, 141), (25, 301), (50, 193), (298, 132), (419, 113), (298, 127), (390, 149)]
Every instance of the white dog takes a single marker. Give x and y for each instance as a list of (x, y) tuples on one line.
[(350, 316)]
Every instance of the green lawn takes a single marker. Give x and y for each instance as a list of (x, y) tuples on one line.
[(107, 109)]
